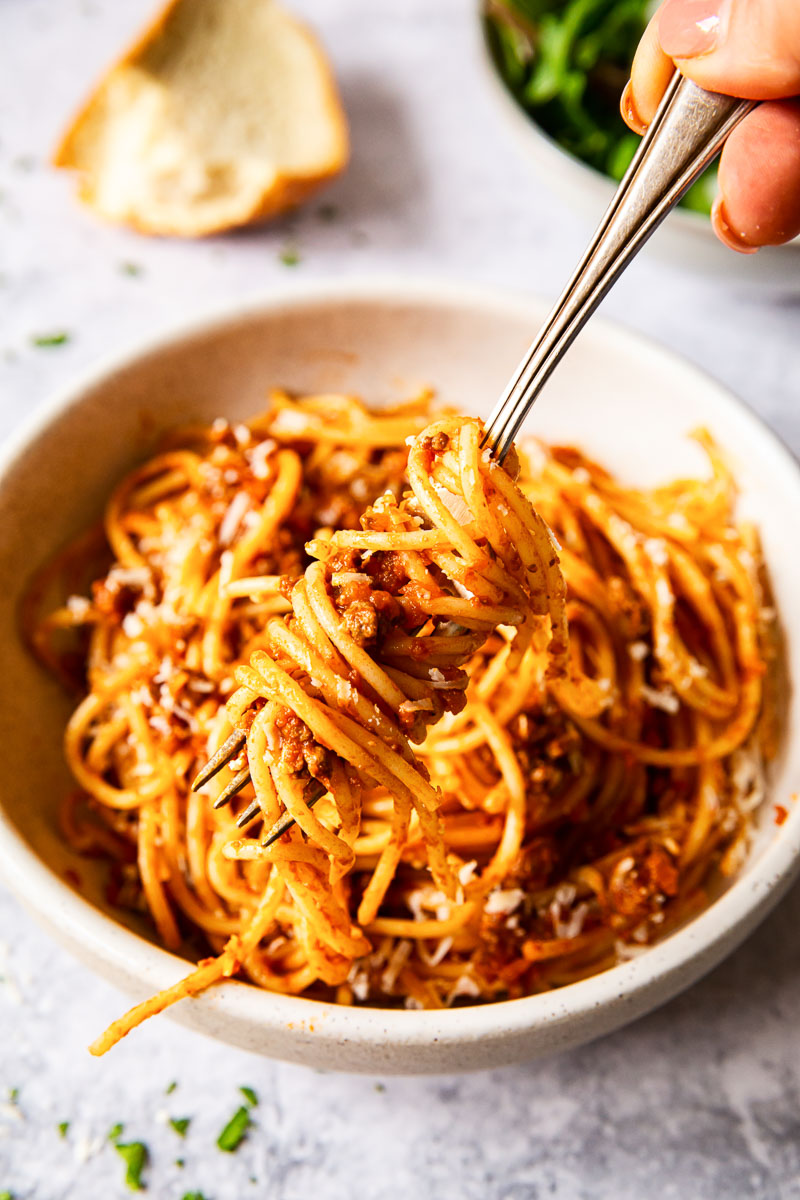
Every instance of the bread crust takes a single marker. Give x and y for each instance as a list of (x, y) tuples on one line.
[(287, 190)]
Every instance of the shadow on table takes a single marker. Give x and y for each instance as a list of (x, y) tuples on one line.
[(702, 1095), (383, 186), (384, 179)]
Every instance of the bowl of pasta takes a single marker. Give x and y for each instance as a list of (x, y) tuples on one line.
[(345, 744)]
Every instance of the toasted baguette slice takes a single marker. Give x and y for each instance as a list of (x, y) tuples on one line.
[(224, 113)]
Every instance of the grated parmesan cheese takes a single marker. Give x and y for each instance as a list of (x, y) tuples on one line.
[(656, 550), (463, 986), (397, 960), (503, 901), (433, 958), (338, 578), (665, 698), (232, 519), (466, 873), (638, 651), (747, 778), (455, 505), (79, 606), (257, 458), (289, 420)]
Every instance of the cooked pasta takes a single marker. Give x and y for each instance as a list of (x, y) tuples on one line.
[(519, 723)]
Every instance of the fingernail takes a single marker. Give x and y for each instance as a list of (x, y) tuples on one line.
[(630, 113), (722, 229), (689, 28)]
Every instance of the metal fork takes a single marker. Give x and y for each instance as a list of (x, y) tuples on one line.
[(687, 133)]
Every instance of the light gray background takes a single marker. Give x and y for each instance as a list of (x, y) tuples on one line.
[(700, 1099)]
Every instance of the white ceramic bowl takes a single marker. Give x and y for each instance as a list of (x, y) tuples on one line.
[(686, 238), (623, 399)]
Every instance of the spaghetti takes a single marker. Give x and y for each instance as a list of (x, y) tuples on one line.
[(537, 710)]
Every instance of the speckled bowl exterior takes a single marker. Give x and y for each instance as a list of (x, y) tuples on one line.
[(616, 395)]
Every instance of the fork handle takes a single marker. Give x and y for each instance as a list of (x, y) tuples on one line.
[(687, 133)]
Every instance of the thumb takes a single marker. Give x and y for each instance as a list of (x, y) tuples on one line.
[(748, 48)]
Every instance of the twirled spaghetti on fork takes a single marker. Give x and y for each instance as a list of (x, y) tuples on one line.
[(532, 757)]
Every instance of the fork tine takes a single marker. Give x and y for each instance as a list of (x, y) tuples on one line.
[(246, 817), (286, 822), (228, 750), (278, 830), (240, 780)]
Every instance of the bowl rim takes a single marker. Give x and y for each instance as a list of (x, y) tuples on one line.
[(148, 967)]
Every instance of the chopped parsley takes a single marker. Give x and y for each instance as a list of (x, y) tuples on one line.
[(63, 1128), (180, 1125), (249, 1095), (13, 1095), (289, 256), (170, 1088), (44, 340), (231, 1137), (180, 1162), (380, 1087), (134, 1155), (193, 1196), (115, 1131), (130, 268)]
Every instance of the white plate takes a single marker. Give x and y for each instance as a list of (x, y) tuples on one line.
[(686, 238), (618, 396)]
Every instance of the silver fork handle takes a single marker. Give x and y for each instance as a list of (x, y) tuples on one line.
[(687, 133)]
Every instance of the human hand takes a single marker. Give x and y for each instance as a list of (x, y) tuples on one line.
[(748, 48)]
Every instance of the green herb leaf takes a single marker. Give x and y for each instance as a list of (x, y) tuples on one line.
[(249, 1095), (380, 1087), (130, 268), (289, 256), (115, 1131), (45, 340), (180, 1162), (193, 1196), (63, 1128), (6, 1196), (170, 1088), (180, 1125), (134, 1155), (13, 1095), (234, 1131)]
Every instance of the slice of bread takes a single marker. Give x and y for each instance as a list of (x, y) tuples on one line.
[(224, 113)]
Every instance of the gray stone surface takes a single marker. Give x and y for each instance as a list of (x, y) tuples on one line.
[(699, 1100)]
